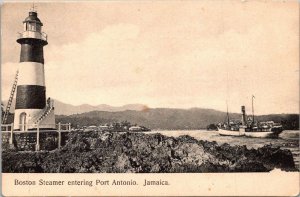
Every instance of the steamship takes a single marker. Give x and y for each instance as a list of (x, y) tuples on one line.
[(249, 127)]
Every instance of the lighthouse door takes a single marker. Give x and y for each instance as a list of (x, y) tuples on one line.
[(23, 121)]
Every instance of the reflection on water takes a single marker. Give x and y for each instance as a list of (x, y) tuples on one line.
[(287, 139)]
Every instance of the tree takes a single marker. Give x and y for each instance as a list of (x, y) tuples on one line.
[(212, 127)]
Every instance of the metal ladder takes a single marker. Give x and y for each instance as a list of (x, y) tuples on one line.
[(4, 118), (48, 109)]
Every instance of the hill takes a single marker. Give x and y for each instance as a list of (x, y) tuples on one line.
[(68, 109), (165, 118)]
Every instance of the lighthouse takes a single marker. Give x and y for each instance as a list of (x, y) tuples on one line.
[(32, 109)]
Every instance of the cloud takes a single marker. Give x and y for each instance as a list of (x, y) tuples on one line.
[(177, 58), (104, 66)]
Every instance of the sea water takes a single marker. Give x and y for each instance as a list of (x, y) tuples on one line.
[(288, 139)]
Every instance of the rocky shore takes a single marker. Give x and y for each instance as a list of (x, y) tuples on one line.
[(106, 152)]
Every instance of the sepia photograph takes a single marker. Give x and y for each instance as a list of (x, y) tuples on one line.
[(149, 87)]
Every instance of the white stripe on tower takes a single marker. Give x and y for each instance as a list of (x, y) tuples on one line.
[(31, 73)]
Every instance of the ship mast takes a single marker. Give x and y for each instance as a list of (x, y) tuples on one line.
[(227, 113), (227, 90), (252, 110)]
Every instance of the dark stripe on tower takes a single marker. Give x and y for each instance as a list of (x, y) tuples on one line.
[(31, 50), (31, 97)]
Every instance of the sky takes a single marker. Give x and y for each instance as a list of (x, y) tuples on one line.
[(175, 54)]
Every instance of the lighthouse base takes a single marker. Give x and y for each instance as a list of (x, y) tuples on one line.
[(26, 119)]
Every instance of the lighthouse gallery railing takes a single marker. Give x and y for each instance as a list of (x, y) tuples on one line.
[(33, 34)]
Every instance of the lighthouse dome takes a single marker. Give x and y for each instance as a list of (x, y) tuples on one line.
[(32, 18)]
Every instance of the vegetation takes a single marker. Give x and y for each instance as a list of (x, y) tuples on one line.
[(212, 127)]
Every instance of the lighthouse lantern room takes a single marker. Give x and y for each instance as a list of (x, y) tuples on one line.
[(32, 110)]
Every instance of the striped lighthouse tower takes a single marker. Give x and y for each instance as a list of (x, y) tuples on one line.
[(32, 109)]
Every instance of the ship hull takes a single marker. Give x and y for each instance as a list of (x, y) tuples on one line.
[(262, 134), (225, 132), (265, 132)]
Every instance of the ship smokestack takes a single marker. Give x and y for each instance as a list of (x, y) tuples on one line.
[(243, 115)]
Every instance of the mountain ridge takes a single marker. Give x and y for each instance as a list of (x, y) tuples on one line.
[(62, 108)]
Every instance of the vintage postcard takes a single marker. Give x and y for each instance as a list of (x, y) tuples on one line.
[(150, 98)]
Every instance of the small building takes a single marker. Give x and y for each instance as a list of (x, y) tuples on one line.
[(91, 128), (135, 128)]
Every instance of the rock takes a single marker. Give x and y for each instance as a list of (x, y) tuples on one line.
[(123, 164), (104, 152)]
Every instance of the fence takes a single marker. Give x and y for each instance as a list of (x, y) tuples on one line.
[(9, 128)]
